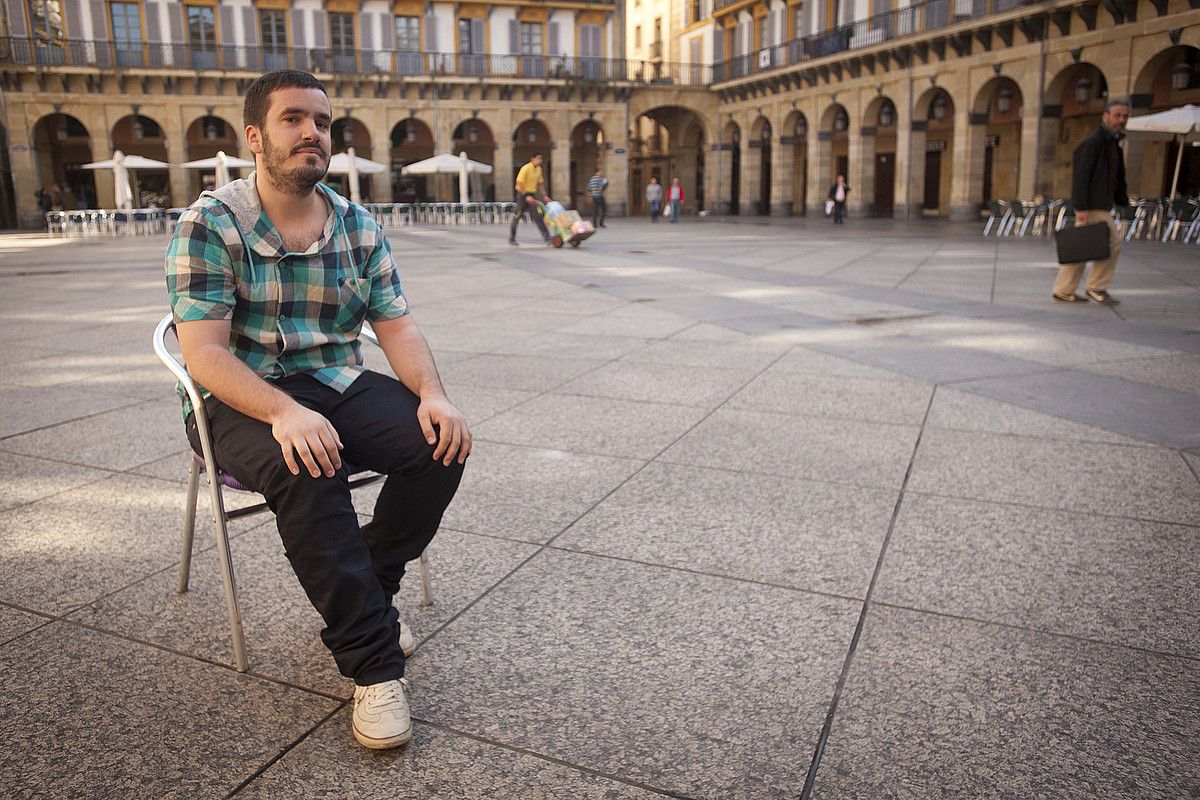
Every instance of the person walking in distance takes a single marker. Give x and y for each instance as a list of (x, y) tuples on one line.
[(654, 196), (1097, 184), (270, 279), (674, 198), (597, 185), (838, 193), (529, 186)]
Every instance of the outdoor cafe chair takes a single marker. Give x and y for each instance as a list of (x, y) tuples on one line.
[(998, 218), (56, 223), (1021, 215), (1181, 215), (218, 481)]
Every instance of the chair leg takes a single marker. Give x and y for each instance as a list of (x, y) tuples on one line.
[(226, 561), (426, 588), (189, 526)]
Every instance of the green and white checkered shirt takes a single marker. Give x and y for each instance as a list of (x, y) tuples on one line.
[(290, 312)]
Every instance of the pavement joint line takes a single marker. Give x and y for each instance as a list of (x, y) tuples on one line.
[(442, 726), (287, 749), (1190, 466), (1054, 509), (917, 267), (76, 419), (827, 727), (1039, 631)]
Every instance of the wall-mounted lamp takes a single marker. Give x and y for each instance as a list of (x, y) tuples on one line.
[(1083, 89), (60, 130), (887, 114), (840, 120), (1004, 100), (139, 130), (939, 107), (1181, 76)]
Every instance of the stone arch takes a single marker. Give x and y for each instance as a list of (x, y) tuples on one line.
[(997, 128), (474, 137), (793, 139), (410, 140), (667, 141), (877, 191), (932, 154), (759, 166), (534, 136), (62, 144), (139, 134), (587, 152), (1075, 99), (204, 137), (346, 132), (729, 172), (1170, 78), (833, 144)]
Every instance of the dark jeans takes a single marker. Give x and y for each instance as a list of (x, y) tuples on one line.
[(349, 573), (655, 209), (523, 207), (599, 210), (839, 212)]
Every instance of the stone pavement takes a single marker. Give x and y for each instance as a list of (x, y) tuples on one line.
[(757, 509)]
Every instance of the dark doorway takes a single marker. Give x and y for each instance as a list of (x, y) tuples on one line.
[(699, 183), (735, 191), (1189, 170), (933, 179), (843, 168), (885, 184), (989, 154), (764, 187)]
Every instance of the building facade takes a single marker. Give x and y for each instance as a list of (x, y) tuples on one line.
[(932, 108)]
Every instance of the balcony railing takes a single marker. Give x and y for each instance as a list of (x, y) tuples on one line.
[(927, 16), (346, 62)]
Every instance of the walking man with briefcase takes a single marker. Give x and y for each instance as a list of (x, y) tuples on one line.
[(1097, 184)]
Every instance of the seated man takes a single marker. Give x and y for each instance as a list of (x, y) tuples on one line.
[(270, 279)]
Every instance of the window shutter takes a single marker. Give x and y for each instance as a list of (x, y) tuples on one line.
[(175, 20), (514, 36), (74, 21), (299, 38), (552, 39), (320, 29), (100, 28), (388, 29), (431, 38), (225, 32), (17, 25), (718, 45), (250, 25), (366, 38), (477, 36)]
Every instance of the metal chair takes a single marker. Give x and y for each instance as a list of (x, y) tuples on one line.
[(218, 481), (999, 217), (56, 223), (1181, 215)]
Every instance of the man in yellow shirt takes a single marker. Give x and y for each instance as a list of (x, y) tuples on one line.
[(529, 186)]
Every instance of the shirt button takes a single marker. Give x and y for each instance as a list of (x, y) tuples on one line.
[(283, 316)]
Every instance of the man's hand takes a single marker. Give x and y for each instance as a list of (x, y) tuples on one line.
[(1081, 217), (303, 432), (452, 436), (531, 200)]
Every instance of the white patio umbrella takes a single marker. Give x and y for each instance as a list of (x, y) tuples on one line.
[(221, 164), (120, 164), (1178, 122), (351, 165), (445, 163)]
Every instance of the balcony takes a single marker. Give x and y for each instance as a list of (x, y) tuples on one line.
[(353, 63), (925, 17), (656, 50)]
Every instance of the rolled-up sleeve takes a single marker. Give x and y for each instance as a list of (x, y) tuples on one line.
[(387, 296), (200, 281)]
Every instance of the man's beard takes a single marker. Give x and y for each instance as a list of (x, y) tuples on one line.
[(298, 180)]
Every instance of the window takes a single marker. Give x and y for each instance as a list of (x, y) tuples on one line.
[(464, 37), (658, 29), (763, 35), (408, 34), (127, 33), (202, 36), (273, 27), (798, 30), (341, 33), (637, 36), (531, 38), (46, 20), (697, 13)]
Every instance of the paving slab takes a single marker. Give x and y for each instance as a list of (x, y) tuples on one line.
[(704, 387), (529, 493), (280, 625), (106, 717), (613, 427), (782, 531), (104, 440), (938, 707), (27, 409), (719, 659), (1090, 477), (869, 399), (522, 373), (841, 451), (28, 479), (1180, 371), (1116, 580), (436, 764), (720, 355), (14, 622)]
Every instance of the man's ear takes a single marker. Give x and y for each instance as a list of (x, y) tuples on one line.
[(254, 139)]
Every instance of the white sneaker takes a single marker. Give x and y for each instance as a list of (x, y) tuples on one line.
[(408, 643), (381, 719)]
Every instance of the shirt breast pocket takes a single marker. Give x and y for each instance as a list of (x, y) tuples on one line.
[(353, 299)]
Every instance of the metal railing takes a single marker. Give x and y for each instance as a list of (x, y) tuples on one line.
[(106, 54), (928, 16)]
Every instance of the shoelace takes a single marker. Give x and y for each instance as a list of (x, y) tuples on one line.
[(386, 696)]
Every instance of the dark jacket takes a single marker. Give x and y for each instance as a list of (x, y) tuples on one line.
[(833, 192), (1098, 176)]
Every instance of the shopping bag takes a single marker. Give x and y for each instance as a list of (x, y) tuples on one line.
[(828, 207), (1082, 243)]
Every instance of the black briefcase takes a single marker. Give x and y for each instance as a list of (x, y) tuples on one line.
[(1082, 243)]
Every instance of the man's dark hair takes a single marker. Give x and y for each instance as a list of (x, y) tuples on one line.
[(1116, 101), (258, 96), (536, 153)]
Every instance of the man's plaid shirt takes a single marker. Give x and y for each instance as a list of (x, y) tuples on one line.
[(290, 312)]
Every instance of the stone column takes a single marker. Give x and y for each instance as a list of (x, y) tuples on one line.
[(180, 179), (967, 166), (560, 171), (917, 180), (721, 187), (783, 150), (1046, 153), (904, 154), (503, 155), (820, 164), (751, 167), (859, 170)]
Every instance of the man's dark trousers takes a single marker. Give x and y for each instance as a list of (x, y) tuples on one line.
[(525, 207), (349, 573), (599, 209)]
